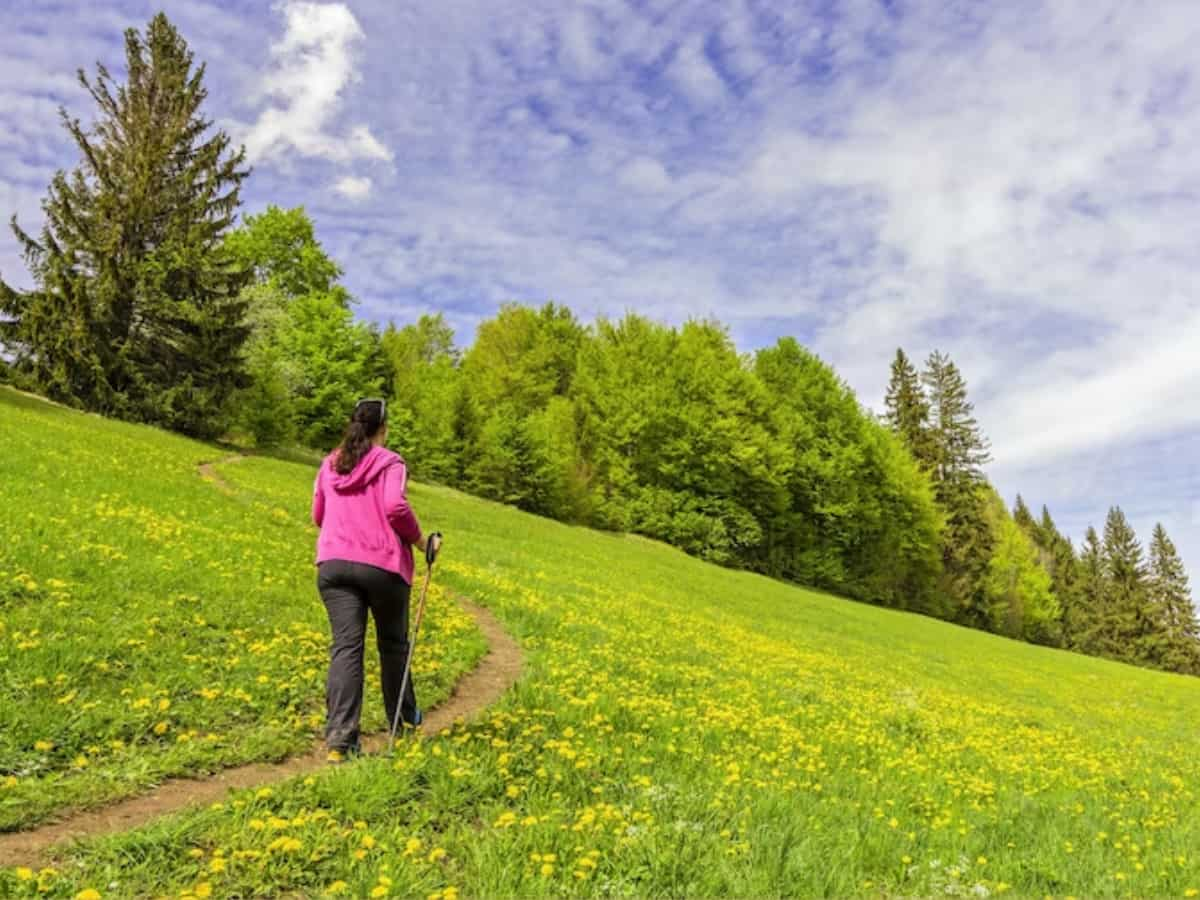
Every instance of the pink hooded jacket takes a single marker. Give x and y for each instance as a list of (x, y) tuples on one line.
[(364, 517)]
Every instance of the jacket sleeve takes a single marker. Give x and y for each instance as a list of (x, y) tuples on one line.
[(318, 500), (395, 501)]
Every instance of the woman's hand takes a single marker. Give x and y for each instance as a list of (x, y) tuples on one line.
[(422, 541)]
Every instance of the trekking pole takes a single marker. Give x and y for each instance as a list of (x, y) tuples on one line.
[(432, 544)]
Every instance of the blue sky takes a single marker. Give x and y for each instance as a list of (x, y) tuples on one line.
[(1014, 183)]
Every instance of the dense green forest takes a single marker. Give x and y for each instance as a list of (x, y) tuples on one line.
[(153, 302)]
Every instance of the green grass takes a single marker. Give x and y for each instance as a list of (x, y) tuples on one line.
[(151, 625), (680, 730)]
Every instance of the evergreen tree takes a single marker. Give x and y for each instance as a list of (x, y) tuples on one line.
[(908, 409), (959, 448), (1048, 530), (1023, 517), (1129, 627), (1057, 556), (958, 453), (136, 309), (1171, 597), (1092, 595)]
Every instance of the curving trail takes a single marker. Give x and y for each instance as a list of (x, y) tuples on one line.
[(208, 471), (483, 686), (494, 675)]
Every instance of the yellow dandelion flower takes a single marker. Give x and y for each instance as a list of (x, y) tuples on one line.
[(24, 873), (88, 894), (547, 870)]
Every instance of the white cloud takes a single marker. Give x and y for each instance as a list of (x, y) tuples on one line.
[(579, 49), (1029, 207), (355, 187), (1060, 408), (645, 174), (311, 65), (694, 74)]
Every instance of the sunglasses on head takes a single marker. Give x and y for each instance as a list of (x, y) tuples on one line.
[(382, 407)]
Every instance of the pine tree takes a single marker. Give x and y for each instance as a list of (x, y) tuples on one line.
[(136, 309), (1092, 595), (1023, 517), (908, 409), (960, 449), (1066, 582), (1130, 629), (1046, 526), (1171, 597), (958, 452)]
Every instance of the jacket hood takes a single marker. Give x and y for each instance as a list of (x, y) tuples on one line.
[(370, 467)]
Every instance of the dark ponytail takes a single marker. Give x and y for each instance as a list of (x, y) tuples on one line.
[(366, 420)]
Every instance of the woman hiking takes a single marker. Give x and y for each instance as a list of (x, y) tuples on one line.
[(364, 561)]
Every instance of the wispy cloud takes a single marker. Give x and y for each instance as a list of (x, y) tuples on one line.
[(311, 66), (356, 187)]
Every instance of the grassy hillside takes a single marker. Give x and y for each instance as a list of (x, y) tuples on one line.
[(681, 729), (151, 624)]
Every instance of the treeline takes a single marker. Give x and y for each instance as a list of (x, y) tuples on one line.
[(1019, 576), (766, 462), (152, 303)]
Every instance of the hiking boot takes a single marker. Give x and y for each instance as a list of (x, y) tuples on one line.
[(338, 755)]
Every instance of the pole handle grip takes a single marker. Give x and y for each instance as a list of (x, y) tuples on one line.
[(433, 544)]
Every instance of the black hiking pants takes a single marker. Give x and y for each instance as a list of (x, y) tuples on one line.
[(349, 589)]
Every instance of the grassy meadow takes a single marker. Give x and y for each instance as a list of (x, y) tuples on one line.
[(680, 730), (150, 624)]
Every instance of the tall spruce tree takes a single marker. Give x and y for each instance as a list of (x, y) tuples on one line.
[(136, 309), (960, 449), (1092, 595), (1023, 517), (1057, 556), (1171, 597), (958, 452), (1130, 629), (1046, 524), (907, 409)]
